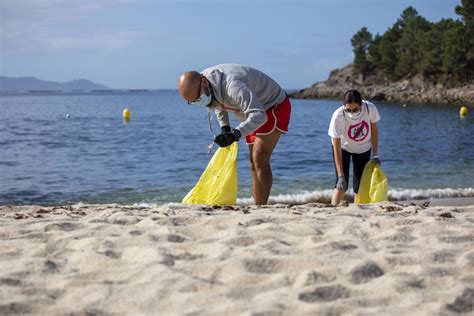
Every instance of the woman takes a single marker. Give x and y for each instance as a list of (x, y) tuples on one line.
[(354, 133)]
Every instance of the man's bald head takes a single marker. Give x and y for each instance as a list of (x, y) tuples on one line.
[(189, 85)]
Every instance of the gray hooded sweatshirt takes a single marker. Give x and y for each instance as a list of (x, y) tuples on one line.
[(244, 91)]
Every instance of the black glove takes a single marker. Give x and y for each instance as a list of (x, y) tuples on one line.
[(225, 129), (376, 160), (341, 184), (227, 138)]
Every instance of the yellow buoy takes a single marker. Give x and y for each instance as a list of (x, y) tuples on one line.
[(126, 115), (463, 111)]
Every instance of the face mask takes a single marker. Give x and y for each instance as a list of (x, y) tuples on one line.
[(351, 114), (204, 100)]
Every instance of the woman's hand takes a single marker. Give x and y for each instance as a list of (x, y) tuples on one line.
[(341, 184)]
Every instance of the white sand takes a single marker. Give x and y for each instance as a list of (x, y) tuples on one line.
[(278, 260)]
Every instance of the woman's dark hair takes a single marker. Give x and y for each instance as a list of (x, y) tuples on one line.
[(352, 96)]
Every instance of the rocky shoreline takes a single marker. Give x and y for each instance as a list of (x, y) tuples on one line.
[(414, 89)]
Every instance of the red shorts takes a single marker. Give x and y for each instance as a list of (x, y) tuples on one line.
[(277, 117)]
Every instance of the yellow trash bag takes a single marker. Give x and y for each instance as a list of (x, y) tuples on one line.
[(218, 183), (373, 185)]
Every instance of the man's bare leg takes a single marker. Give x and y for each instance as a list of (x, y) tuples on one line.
[(259, 154)]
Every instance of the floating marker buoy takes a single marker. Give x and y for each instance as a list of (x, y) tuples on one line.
[(404, 105), (67, 115), (126, 115), (463, 111)]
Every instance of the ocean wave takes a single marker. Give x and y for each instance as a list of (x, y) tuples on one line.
[(324, 196), (418, 194), (320, 196), (395, 194)]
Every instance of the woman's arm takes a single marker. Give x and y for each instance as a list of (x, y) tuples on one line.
[(375, 139), (336, 144)]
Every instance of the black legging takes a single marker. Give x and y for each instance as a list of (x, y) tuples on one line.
[(358, 160)]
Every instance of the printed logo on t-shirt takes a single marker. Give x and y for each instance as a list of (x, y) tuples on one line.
[(358, 132)]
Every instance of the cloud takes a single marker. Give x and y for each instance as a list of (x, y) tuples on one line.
[(56, 9), (109, 40), (40, 25), (44, 39), (16, 13)]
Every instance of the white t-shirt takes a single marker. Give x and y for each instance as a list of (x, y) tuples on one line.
[(355, 132)]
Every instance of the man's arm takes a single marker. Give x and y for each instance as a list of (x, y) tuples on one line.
[(222, 116), (249, 105)]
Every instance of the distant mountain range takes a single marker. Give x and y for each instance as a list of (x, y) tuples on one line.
[(35, 84)]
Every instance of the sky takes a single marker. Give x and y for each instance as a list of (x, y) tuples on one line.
[(147, 44)]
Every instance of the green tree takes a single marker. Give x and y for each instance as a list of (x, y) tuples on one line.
[(413, 30), (407, 15), (442, 51), (388, 48), (455, 65), (466, 11), (361, 42), (374, 57), (432, 50)]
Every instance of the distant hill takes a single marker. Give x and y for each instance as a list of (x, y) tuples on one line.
[(416, 89), (414, 61), (31, 83)]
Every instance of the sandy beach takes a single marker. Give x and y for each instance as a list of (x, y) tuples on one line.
[(382, 259)]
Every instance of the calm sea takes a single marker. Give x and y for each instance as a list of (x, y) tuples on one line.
[(68, 148)]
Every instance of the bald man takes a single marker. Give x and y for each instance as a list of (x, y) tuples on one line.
[(259, 103)]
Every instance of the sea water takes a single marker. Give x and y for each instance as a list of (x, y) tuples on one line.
[(69, 148)]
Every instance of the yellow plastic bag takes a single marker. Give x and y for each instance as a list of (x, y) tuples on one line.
[(218, 183), (373, 185)]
